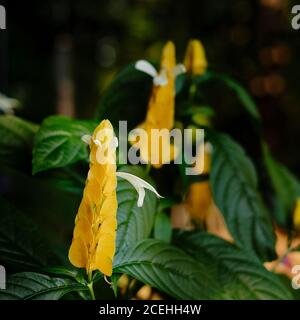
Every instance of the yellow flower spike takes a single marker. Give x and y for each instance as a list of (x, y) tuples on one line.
[(93, 245), (195, 60), (94, 236), (296, 216), (161, 106)]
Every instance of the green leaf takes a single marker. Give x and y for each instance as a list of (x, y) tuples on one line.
[(127, 97), (21, 245), (58, 143), (242, 94), (70, 178), (180, 83), (286, 188), (234, 185), (170, 270), (134, 223), (77, 274), (35, 286), (162, 227), (16, 139), (240, 275), (63, 271)]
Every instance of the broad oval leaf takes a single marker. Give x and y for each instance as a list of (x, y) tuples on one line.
[(170, 270), (36, 286), (234, 185), (239, 274), (58, 143), (134, 223)]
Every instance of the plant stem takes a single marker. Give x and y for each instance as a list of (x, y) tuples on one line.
[(90, 285)]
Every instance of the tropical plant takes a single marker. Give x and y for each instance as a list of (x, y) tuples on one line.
[(211, 235)]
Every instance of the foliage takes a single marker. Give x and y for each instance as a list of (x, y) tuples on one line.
[(182, 265)]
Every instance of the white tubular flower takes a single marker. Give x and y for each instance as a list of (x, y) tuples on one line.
[(179, 69), (146, 67), (159, 78), (140, 185), (114, 144), (86, 138), (7, 105)]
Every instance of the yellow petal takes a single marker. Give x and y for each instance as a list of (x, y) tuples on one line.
[(216, 225), (168, 60), (296, 216), (195, 60), (78, 253), (104, 265), (83, 231), (199, 200)]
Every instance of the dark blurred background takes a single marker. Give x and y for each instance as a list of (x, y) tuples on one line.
[(58, 56)]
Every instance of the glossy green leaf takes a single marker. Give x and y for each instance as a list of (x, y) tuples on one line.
[(239, 274), (35, 286), (170, 270), (162, 227), (58, 143), (235, 191)]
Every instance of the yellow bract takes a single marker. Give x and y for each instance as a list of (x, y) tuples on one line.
[(195, 60), (296, 217), (199, 198), (93, 245), (161, 108)]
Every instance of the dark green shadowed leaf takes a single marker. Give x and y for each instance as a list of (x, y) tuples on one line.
[(170, 270), (162, 227), (21, 245), (134, 223), (239, 274), (242, 94), (286, 189), (234, 185), (58, 143), (127, 97), (35, 286)]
